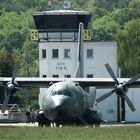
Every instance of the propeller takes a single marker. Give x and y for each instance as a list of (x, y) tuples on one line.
[(9, 87), (120, 89)]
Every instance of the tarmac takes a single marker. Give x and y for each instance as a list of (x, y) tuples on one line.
[(19, 124), (36, 124)]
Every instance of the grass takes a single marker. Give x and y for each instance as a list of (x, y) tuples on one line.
[(70, 133)]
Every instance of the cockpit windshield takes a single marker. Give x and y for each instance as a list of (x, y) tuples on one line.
[(59, 92), (61, 88)]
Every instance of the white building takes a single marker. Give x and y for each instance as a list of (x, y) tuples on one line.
[(58, 47), (59, 59)]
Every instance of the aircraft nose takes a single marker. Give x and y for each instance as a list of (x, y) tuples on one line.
[(57, 108), (59, 101), (61, 104)]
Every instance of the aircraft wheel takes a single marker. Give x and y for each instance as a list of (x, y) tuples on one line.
[(97, 124)]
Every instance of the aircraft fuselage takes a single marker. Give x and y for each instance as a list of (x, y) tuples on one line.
[(66, 101)]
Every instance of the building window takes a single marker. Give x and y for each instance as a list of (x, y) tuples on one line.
[(66, 53), (55, 76), (44, 75), (67, 76), (43, 53), (89, 75), (55, 53), (89, 53)]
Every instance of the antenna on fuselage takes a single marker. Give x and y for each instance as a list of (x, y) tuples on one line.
[(79, 72)]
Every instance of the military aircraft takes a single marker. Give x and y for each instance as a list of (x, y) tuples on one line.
[(67, 100)]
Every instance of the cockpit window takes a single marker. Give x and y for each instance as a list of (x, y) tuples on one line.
[(65, 93), (68, 93), (61, 89)]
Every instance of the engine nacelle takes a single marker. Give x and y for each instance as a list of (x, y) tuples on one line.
[(41, 119), (92, 117)]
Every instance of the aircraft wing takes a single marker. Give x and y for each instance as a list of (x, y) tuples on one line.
[(84, 82)]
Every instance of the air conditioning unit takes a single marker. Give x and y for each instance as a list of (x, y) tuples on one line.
[(67, 5)]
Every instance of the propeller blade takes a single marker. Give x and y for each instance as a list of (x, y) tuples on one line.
[(110, 71), (6, 100), (132, 80), (130, 104), (1, 84), (104, 96), (14, 73)]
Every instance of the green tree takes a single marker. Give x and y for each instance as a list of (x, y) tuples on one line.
[(27, 99), (14, 30), (6, 63), (20, 6), (29, 59), (135, 4), (79, 4), (112, 4), (105, 30), (98, 13), (129, 48), (121, 16), (6, 68), (106, 27)]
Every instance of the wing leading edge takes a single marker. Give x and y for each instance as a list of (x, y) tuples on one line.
[(100, 83)]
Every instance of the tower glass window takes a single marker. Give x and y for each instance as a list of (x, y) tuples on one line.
[(66, 53), (65, 20), (89, 53), (55, 53)]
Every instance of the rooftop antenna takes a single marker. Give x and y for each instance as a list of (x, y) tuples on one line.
[(67, 5), (50, 4)]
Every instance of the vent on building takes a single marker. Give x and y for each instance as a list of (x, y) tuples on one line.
[(67, 5)]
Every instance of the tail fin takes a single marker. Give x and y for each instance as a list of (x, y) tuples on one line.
[(79, 67)]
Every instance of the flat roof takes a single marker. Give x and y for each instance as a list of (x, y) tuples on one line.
[(62, 12), (61, 19)]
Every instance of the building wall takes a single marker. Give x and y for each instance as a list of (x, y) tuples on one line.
[(103, 52), (60, 66), (108, 107), (134, 96)]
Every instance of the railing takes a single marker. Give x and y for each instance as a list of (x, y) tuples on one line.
[(11, 107)]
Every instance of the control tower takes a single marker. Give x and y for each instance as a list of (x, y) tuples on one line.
[(58, 47), (58, 40)]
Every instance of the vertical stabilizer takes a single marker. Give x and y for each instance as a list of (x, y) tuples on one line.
[(79, 72)]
